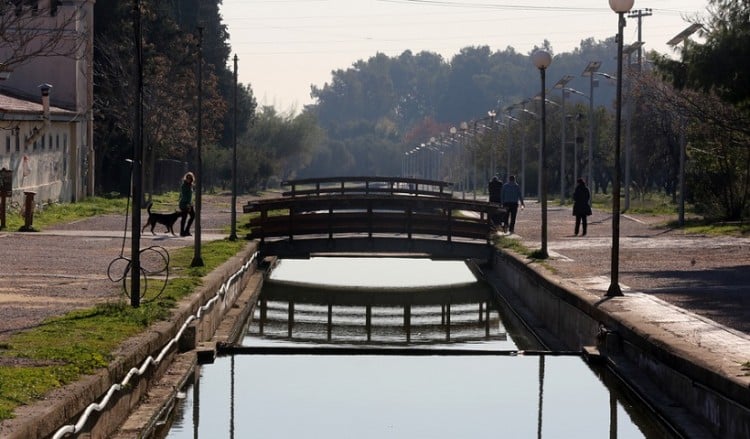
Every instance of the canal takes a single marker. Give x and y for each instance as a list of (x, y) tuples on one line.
[(397, 348)]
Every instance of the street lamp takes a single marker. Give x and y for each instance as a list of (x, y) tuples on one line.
[(464, 127), (233, 230), (590, 70), (620, 7), (677, 39), (542, 60), (561, 85), (523, 148), (629, 119), (197, 257)]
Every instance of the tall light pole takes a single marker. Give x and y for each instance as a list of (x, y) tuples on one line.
[(523, 149), (136, 176), (509, 147), (629, 120), (591, 68), (493, 167), (561, 83), (233, 233), (677, 39), (464, 146), (620, 7), (197, 258), (542, 60)]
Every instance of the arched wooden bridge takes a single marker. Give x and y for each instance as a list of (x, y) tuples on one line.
[(387, 216)]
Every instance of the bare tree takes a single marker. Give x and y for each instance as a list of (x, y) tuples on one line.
[(40, 28)]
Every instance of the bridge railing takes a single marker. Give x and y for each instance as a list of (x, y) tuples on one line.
[(410, 215), (367, 186)]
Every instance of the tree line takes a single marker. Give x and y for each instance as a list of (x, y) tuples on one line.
[(371, 117)]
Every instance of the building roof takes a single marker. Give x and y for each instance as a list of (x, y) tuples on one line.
[(16, 108)]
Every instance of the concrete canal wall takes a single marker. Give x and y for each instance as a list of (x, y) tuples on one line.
[(659, 368), (212, 301), (564, 316)]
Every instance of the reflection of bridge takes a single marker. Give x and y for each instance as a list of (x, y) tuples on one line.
[(449, 314), (372, 215)]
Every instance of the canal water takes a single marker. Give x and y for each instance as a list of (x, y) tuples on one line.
[(397, 348)]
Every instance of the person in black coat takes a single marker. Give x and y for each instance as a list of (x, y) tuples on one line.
[(581, 206), (495, 189)]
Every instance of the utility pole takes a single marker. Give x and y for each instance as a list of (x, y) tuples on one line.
[(639, 14), (638, 45)]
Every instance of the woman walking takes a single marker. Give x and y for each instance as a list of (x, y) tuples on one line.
[(186, 203), (581, 206)]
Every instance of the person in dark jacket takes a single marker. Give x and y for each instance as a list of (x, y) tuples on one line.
[(512, 198), (581, 206), (186, 203), (495, 189)]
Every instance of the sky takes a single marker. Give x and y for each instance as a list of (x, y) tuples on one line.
[(285, 46)]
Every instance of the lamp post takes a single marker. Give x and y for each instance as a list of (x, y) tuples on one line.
[(561, 83), (591, 68), (677, 39), (577, 118), (523, 149), (464, 145), (233, 232), (620, 7), (197, 257), (509, 141), (135, 174), (629, 120), (493, 167), (542, 60)]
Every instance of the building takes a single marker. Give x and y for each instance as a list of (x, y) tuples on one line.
[(46, 98)]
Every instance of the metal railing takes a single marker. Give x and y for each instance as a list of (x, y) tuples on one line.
[(98, 407)]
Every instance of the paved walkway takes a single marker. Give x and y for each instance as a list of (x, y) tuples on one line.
[(689, 292)]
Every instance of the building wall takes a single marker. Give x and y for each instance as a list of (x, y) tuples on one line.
[(64, 175), (43, 166)]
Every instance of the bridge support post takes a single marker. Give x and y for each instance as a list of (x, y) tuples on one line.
[(487, 320), (368, 322), (290, 319), (448, 322), (263, 315), (407, 322), (330, 320)]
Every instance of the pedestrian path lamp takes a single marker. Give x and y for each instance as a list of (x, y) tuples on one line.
[(561, 85), (542, 60), (590, 70), (620, 7)]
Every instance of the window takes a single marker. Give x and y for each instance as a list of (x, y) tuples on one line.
[(7, 144)]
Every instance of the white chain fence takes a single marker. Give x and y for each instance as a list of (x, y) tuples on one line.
[(72, 429)]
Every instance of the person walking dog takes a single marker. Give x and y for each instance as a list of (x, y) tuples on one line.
[(186, 203)]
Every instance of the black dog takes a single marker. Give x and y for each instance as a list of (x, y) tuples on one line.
[(168, 219)]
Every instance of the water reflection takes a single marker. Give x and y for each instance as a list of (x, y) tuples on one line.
[(404, 396)]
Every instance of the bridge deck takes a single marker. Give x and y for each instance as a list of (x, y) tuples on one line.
[(393, 223)]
